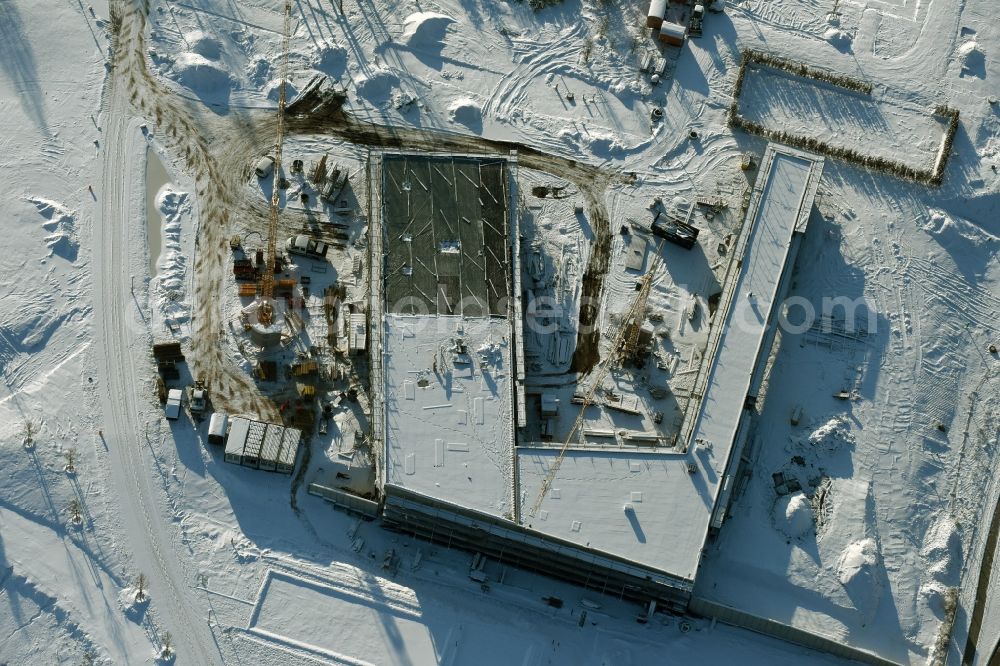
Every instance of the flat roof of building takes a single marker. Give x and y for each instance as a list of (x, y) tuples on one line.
[(781, 204), (667, 529), (586, 504), (449, 409)]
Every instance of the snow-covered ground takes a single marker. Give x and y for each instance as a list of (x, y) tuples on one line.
[(897, 483)]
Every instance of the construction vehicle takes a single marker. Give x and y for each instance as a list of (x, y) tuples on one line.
[(334, 184), (198, 401), (304, 245), (697, 17), (675, 231), (167, 355)]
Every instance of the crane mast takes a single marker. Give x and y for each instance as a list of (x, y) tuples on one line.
[(266, 311)]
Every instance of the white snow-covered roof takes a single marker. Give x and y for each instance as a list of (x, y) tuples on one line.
[(664, 527), (780, 206), (289, 447), (237, 436), (672, 30), (449, 430)]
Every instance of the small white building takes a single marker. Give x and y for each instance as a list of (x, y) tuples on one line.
[(268, 446), (217, 428), (657, 10), (357, 334), (672, 33), (172, 410)]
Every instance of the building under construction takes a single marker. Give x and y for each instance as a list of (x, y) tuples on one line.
[(631, 522)]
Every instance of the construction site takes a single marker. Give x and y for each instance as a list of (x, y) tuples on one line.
[(400, 309), (404, 309), (540, 331), (482, 357)]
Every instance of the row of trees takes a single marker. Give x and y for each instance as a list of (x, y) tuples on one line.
[(951, 114), (812, 144), (750, 56), (933, 176)]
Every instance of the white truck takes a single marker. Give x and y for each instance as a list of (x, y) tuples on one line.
[(173, 407), (304, 245)]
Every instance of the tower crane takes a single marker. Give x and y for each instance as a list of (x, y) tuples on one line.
[(266, 311), (623, 347)]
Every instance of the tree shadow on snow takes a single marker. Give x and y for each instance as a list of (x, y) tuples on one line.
[(17, 61)]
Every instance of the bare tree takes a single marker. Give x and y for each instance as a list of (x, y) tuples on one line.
[(140, 587), (30, 430), (70, 467), (75, 512), (166, 646)]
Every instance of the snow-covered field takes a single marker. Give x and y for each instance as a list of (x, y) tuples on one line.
[(840, 117), (880, 548)]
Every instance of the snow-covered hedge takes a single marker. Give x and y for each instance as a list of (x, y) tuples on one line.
[(933, 176)]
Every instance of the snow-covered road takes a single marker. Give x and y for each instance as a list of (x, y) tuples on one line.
[(121, 341)]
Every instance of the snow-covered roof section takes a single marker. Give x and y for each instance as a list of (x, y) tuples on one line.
[(780, 206), (449, 404), (664, 525), (237, 437)]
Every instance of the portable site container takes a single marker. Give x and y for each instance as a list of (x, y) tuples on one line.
[(673, 34), (217, 428), (657, 10), (264, 166)]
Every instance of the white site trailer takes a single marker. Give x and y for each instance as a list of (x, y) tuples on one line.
[(264, 166), (657, 10), (172, 410), (217, 428)]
